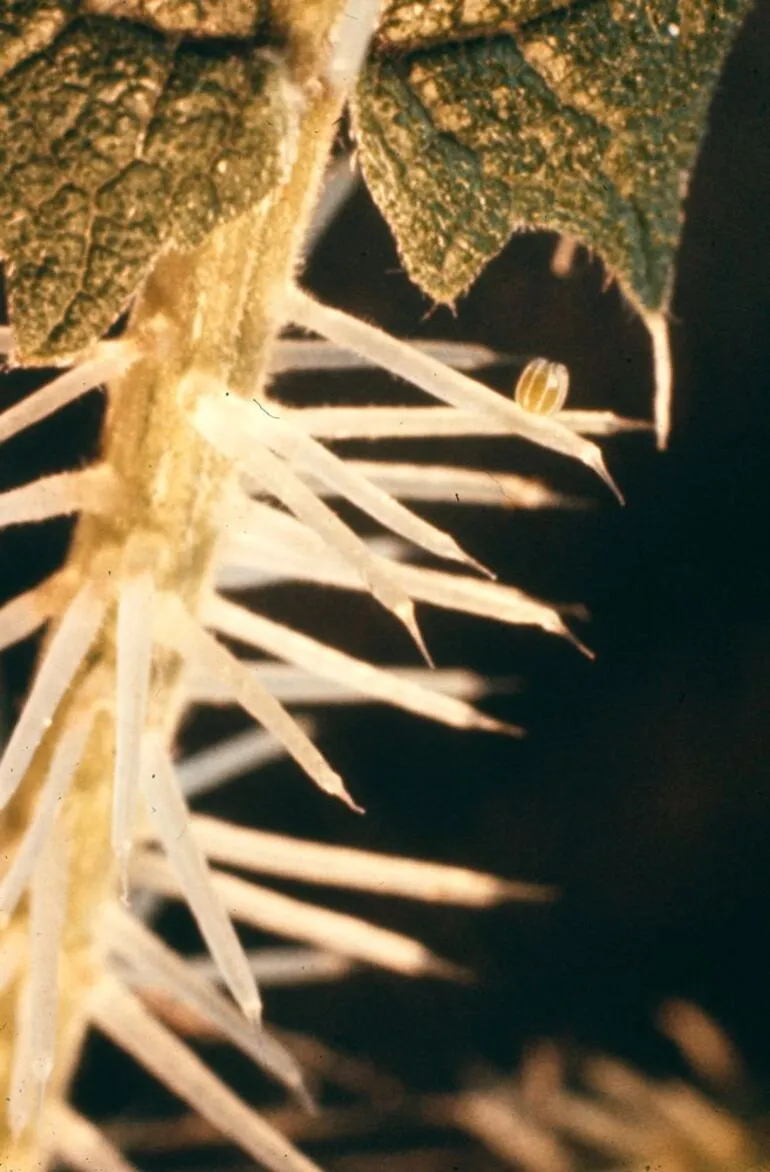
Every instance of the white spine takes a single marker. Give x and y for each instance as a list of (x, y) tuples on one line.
[(134, 659), (169, 813), (68, 647)]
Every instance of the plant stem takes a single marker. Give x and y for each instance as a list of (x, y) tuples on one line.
[(213, 315)]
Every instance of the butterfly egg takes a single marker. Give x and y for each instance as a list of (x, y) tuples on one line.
[(542, 386)]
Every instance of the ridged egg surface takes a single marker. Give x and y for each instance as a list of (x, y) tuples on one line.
[(542, 387)]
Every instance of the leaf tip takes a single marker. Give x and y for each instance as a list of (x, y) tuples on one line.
[(663, 375)]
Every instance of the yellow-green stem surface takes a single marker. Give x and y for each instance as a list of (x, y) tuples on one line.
[(214, 314)]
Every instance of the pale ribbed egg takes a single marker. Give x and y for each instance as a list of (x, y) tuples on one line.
[(542, 386)]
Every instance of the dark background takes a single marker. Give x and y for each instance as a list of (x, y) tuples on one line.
[(643, 787)]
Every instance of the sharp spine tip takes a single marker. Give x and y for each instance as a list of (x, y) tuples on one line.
[(305, 1100), (545, 893), (490, 575), (490, 724), (582, 647), (408, 618), (446, 970), (601, 469), (349, 801), (508, 730)]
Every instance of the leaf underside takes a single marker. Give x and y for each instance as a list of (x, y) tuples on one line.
[(586, 122), (115, 143)]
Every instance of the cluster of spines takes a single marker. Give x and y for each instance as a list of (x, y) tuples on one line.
[(276, 456)]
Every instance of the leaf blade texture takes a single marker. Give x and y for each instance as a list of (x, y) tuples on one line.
[(586, 121), (118, 143), (405, 25)]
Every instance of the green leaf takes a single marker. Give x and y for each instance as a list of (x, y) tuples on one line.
[(197, 18), (405, 25), (116, 143), (586, 122), (26, 26)]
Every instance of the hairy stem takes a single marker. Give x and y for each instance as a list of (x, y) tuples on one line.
[(203, 316)]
